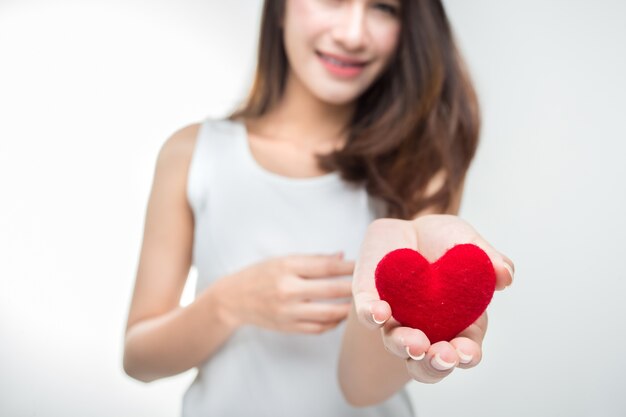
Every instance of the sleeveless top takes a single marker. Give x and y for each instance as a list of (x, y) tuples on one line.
[(244, 214)]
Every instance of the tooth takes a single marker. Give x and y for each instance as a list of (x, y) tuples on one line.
[(339, 63)]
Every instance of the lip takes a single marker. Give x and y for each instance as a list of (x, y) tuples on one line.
[(348, 71), (345, 59)]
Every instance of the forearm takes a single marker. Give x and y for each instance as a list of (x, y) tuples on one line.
[(368, 374), (178, 340)]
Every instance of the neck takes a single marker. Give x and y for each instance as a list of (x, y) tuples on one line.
[(305, 121)]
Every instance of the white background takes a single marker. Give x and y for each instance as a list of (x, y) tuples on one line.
[(89, 90)]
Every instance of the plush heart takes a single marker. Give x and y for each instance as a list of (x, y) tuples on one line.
[(441, 299)]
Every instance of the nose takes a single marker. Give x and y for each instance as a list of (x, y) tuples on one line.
[(350, 29)]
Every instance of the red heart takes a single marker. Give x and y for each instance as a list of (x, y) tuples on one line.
[(441, 299)]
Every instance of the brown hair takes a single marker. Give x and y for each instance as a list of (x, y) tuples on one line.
[(420, 118)]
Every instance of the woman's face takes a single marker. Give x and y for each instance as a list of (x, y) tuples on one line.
[(361, 36)]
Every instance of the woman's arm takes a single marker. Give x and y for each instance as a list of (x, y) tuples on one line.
[(370, 371), (284, 293), (374, 361), (163, 339)]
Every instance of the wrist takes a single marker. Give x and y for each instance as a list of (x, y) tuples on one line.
[(225, 305)]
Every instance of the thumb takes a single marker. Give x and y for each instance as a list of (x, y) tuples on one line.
[(502, 264), (505, 277)]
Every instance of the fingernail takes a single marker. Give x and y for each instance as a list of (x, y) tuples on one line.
[(415, 358), (441, 365), (463, 358), (376, 321), (510, 270)]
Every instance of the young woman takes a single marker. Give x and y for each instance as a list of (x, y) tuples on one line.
[(357, 134)]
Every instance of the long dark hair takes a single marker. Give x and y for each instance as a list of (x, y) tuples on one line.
[(419, 119)]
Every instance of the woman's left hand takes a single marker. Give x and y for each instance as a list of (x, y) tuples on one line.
[(432, 236)]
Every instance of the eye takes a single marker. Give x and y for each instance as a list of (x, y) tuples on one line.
[(388, 8)]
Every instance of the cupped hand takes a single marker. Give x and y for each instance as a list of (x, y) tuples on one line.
[(432, 236), (289, 293)]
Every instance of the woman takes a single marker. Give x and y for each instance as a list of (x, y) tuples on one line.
[(360, 110)]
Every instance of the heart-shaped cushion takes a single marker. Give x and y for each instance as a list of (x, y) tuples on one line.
[(441, 299)]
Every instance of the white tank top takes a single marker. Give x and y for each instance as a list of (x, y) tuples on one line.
[(244, 214)]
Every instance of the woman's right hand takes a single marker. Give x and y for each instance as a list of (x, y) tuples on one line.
[(289, 293)]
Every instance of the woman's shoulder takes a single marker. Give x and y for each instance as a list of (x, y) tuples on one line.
[(177, 150), (181, 142), (173, 162)]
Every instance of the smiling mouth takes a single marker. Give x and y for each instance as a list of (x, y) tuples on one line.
[(344, 63)]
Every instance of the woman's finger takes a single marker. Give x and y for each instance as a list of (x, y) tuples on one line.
[(439, 362), (308, 327), (468, 351), (319, 266), (405, 342), (324, 289), (502, 265), (320, 312), (371, 311), (468, 343)]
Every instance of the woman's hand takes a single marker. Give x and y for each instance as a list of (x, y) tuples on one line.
[(432, 236), (289, 294)]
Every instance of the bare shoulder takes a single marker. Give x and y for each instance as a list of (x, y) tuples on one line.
[(178, 148), (172, 167)]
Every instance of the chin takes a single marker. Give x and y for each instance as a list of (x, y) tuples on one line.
[(338, 99), (343, 94)]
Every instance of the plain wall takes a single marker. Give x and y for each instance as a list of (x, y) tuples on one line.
[(89, 91)]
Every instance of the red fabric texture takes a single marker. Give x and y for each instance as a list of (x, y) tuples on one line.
[(441, 299)]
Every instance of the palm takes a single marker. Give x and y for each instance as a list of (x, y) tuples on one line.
[(432, 236)]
